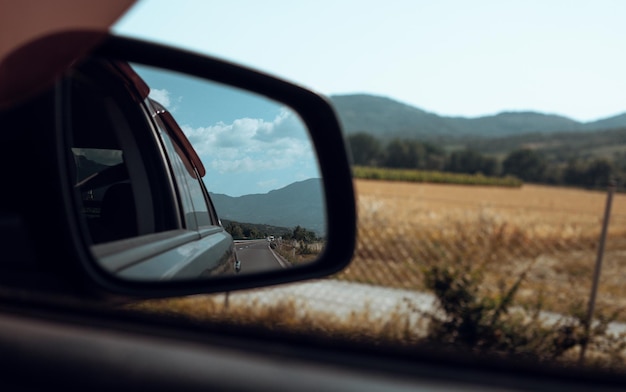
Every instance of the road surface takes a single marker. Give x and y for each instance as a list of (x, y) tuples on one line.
[(257, 256)]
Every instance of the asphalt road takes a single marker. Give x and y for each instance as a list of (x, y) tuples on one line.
[(256, 256)]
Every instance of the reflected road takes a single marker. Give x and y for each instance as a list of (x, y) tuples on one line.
[(256, 256)]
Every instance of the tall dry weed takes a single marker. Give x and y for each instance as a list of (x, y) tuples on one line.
[(515, 252)]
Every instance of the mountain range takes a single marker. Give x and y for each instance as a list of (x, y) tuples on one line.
[(298, 204), (386, 118)]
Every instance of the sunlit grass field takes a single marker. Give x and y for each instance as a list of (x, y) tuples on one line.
[(548, 235), (551, 232)]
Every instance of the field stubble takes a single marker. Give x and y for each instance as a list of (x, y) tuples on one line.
[(551, 232), (548, 236)]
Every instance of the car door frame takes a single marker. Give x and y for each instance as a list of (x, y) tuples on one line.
[(172, 254)]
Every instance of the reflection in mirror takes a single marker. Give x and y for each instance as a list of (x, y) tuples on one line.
[(244, 192)]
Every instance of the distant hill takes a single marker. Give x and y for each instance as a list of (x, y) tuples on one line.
[(608, 123), (559, 146), (386, 118), (515, 123), (300, 203)]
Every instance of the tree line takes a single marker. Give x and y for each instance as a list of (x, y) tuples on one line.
[(241, 231), (526, 164)]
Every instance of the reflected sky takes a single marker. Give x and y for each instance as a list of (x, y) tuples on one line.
[(248, 143)]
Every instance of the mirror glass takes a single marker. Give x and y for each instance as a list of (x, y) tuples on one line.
[(243, 191)]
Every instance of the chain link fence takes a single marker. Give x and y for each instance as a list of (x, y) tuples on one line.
[(541, 241), (552, 233)]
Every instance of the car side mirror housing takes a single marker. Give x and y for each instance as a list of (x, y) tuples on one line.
[(122, 142)]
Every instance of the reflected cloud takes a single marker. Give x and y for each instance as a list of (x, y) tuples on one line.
[(248, 144), (162, 96)]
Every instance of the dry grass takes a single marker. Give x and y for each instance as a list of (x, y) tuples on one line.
[(298, 252), (287, 314), (404, 227), (539, 208)]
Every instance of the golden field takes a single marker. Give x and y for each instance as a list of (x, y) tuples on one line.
[(492, 235), (540, 208), (550, 232)]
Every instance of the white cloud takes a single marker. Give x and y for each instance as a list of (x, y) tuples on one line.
[(285, 124), (248, 145), (162, 96)]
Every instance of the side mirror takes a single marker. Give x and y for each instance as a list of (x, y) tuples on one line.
[(179, 173)]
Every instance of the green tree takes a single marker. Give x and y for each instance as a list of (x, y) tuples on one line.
[(365, 149), (574, 172), (405, 154), (598, 173), (594, 174), (435, 157), (525, 164), (471, 162), (303, 235), (234, 229), (251, 232)]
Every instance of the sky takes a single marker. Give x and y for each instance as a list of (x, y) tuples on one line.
[(453, 58), (449, 57), (247, 143)]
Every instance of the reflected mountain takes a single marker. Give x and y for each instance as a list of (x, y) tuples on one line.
[(300, 203)]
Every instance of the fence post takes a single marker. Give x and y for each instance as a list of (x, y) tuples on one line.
[(596, 274)]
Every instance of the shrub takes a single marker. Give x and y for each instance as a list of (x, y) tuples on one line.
[(434, 177), (476, 321)]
